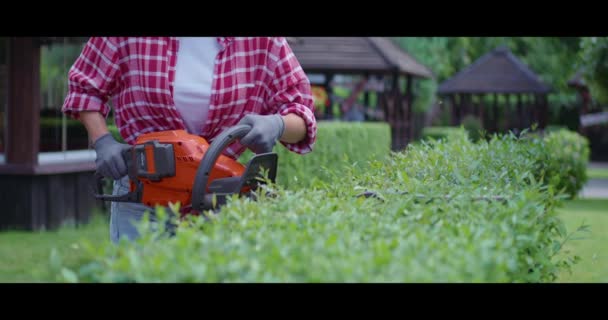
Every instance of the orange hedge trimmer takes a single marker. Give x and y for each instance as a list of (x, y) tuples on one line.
[(175, 166)]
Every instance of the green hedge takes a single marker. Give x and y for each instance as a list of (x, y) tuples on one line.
[(439, 133), (474, 127), (340, 145), (565, 160), (114, 131), (447, 211), (562, 156)]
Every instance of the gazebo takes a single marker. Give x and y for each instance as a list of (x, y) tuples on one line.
[(38, 189), (370, 57), (498, 72)]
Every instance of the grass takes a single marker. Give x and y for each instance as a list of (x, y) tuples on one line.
[(593, 249), (25, 255), (597, 173)]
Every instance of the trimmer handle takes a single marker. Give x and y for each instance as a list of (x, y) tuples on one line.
[(135, 196), (199, 199)]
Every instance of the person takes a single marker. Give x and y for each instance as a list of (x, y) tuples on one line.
[(199, 84)]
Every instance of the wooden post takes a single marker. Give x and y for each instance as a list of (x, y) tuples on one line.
[(544, 118), (461, 106), (410, 112), (400, 112), (496, 114), (481, 113), (462, 109), (508, 113), (366, 105), (448, 105), (454, 104), (329, 110), (23, 112), (520, 113), (535, 118)]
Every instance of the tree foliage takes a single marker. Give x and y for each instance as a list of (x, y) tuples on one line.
[(594, 63), (554, 59)]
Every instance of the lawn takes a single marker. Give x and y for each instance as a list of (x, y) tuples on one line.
[(25, 255), (597, 173), (593, 249)]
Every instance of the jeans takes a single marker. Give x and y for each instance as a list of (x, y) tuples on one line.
[(124, 216)]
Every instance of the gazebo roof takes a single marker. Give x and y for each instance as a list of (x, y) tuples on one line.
[(347, 55), (498, 71)]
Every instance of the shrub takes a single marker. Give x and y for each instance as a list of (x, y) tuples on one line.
[(566, 159), (447, 211), (339, 146), (114, 131), (473, 126), (439, 133)]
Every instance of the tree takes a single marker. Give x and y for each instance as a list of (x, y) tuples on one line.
[(554, 59), (594, 63)]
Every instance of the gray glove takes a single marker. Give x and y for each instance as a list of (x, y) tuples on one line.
[(265, 132), (110, 162)]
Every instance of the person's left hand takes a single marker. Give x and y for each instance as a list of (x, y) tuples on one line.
[(265, 132)]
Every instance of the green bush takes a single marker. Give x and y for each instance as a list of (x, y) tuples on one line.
[(473, 126), (439, 133), (562, 155), (114, 131), (566, 160), (339, 145), (446, 211)]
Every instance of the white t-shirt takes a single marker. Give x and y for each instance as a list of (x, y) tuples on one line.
[(193, 80)]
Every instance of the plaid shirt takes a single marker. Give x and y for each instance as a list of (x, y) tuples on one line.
[(252, 75)]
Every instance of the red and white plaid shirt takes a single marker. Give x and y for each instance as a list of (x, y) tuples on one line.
[(252, 75)]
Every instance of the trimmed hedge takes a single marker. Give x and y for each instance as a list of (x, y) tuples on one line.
[(446, 211), (474, 127), (439, 133), (339, 146), (566, 157), (114, 131)]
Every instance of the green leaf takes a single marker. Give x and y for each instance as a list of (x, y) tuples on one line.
[(69, 275)]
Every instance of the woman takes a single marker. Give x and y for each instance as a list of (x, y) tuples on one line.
[(202, 85)]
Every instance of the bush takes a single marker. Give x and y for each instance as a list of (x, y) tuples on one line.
[(439, 133), (339, 145), (114, 131), (447, 211), (473, 126), (566, 160)]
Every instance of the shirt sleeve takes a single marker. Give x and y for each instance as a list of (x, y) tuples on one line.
[(292, 92), (92, 78)]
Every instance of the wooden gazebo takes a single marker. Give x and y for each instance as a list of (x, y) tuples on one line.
[(38, 190), (497, 73), (368, 57)]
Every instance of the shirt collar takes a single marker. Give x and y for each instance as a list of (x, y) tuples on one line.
[(225, 41)]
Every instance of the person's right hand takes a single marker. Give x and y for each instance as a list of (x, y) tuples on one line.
[(110, 162)]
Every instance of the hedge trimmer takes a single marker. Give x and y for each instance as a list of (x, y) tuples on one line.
[(174, 166)]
